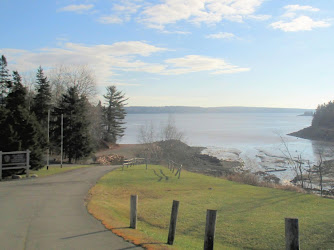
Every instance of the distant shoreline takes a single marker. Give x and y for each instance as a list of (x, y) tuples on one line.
[(194, 110)]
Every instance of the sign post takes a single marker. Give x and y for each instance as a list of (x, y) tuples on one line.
[(27, 164), (0, 165)]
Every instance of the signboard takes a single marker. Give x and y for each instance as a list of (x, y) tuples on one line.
[(14, 160)]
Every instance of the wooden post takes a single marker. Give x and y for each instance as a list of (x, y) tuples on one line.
[(172, 224), (291, 234), (210, 229), (0, 165), (27, 164), (146, 162), (133, 211), (180, 171)]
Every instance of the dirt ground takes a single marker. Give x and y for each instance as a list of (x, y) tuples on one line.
[(190, 157), (126, 150)]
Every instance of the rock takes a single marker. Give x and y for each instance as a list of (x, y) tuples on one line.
[(15, 176), (33, 176)]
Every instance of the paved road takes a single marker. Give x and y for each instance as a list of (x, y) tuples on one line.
[(49, 213)]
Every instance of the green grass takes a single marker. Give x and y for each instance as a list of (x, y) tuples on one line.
[(55, 169), (248, 216)]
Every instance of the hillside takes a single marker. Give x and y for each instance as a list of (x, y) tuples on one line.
[(249, 217)]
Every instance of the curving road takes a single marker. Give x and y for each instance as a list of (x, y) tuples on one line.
[(50, 213)]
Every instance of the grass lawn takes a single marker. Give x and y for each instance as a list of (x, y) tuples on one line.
[(55, 169), (248, 216)]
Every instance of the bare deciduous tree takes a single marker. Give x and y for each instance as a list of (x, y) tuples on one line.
[(170, 131), (29, 80), (148, 137), (319, 169), (297, 163), (160, 144), (63, 77)]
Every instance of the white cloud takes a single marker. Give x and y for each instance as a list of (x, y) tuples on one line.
[(293, 21), (197, 63), (126, 6), (179, 32), (221, 35), (107, 61), (121, 12), (294, 8), (78, 8), (110, 19), (197, 11), (302, 23), (259, 17)]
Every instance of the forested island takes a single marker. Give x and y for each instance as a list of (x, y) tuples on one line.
[(322, 128)]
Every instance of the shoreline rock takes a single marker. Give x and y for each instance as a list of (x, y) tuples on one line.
[(316, 134)]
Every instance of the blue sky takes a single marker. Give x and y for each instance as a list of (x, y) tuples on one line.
[(208, 53)]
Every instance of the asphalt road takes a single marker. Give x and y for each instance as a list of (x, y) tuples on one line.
[(50, 213)]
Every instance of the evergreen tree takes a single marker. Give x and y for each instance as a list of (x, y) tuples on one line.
[(19, 130), (76, 140), (5, 82), (113, 115), (96, 125), (42, 100), (324, 116)]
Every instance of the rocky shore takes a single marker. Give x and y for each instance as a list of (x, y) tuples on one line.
[(315, 133)]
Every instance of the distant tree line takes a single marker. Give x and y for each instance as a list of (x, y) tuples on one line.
[(25, 105)]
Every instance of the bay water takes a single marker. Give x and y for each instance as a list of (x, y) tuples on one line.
[(259, 140)]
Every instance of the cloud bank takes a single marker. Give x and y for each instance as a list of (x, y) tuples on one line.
[(110, 60)]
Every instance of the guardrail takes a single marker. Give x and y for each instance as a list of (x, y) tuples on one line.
[(133, 161), (172, 166)]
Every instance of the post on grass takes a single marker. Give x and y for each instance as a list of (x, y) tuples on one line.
[(291, 234), (133, 211), (209, 238), (172, 224)]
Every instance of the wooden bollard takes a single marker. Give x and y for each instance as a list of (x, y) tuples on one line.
[(172, 224), (210, 228), (180, 172), (133, 211), (291, 234)]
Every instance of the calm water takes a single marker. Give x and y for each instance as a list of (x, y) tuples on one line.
[(253, 138)]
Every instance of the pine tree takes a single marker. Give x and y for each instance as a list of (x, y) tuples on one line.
[(96, 125), (76, 140), (19, 130), (42, 100), (113, 115), (5, 82)]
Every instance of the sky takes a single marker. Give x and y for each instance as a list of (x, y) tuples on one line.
[(208, 53)]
